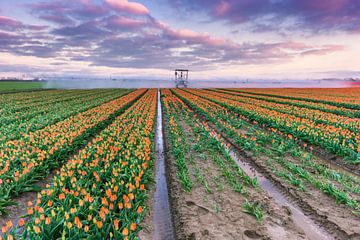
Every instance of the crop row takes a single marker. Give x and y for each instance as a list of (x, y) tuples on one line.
[(100, 192), (346, 97), (14, 126), (298, 103), (15, 111), (335, 139), (283, 156), (31, 157), (18, 102), (317, 116), (23, 99)]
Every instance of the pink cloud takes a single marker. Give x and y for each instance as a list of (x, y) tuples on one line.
[(186, 34), (294, 46), (126, 22), (9, 22), (190, 36), (126, 6)]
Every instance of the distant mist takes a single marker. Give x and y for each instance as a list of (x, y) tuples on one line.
[(102, 83)]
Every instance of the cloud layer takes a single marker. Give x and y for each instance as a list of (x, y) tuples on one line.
[(267, 15), (121, 33)]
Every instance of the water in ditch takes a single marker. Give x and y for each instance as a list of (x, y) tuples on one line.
[(163, 227)]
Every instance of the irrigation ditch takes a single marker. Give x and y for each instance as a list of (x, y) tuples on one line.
[(162, 218)]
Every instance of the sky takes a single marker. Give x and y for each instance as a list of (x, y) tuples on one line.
[(214, 39)]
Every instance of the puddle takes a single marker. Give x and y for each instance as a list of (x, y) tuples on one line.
[(333, 165), (339, 169), (310, 228), (163, 227)]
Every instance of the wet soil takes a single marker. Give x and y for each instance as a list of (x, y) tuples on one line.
[(336, 219), (147, 232), (219, 215), (16, 212), (339, 162)]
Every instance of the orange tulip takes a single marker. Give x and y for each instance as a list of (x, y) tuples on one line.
[(125, 232), (36, 229), (133, 227)]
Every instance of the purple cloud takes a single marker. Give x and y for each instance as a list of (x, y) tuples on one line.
[(315, 15), (66, 13), (9, 39), (55, 12), (87, 30), (9, 23)]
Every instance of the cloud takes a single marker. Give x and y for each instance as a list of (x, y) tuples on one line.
[(191, 37), (87, 30), (9, 23), (128, 7), (9, 39), (66, 13), (124, 22), (323, 50)]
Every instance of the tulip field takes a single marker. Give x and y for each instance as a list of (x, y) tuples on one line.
[(239, 163)]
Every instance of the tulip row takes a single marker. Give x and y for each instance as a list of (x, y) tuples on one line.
[(179, 148), (15, 125), (16, 110), (317, 116), (342, 111), (19, 100), (23, 100), (333, 138), (31, 157), (342, 97), (285, 158)]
